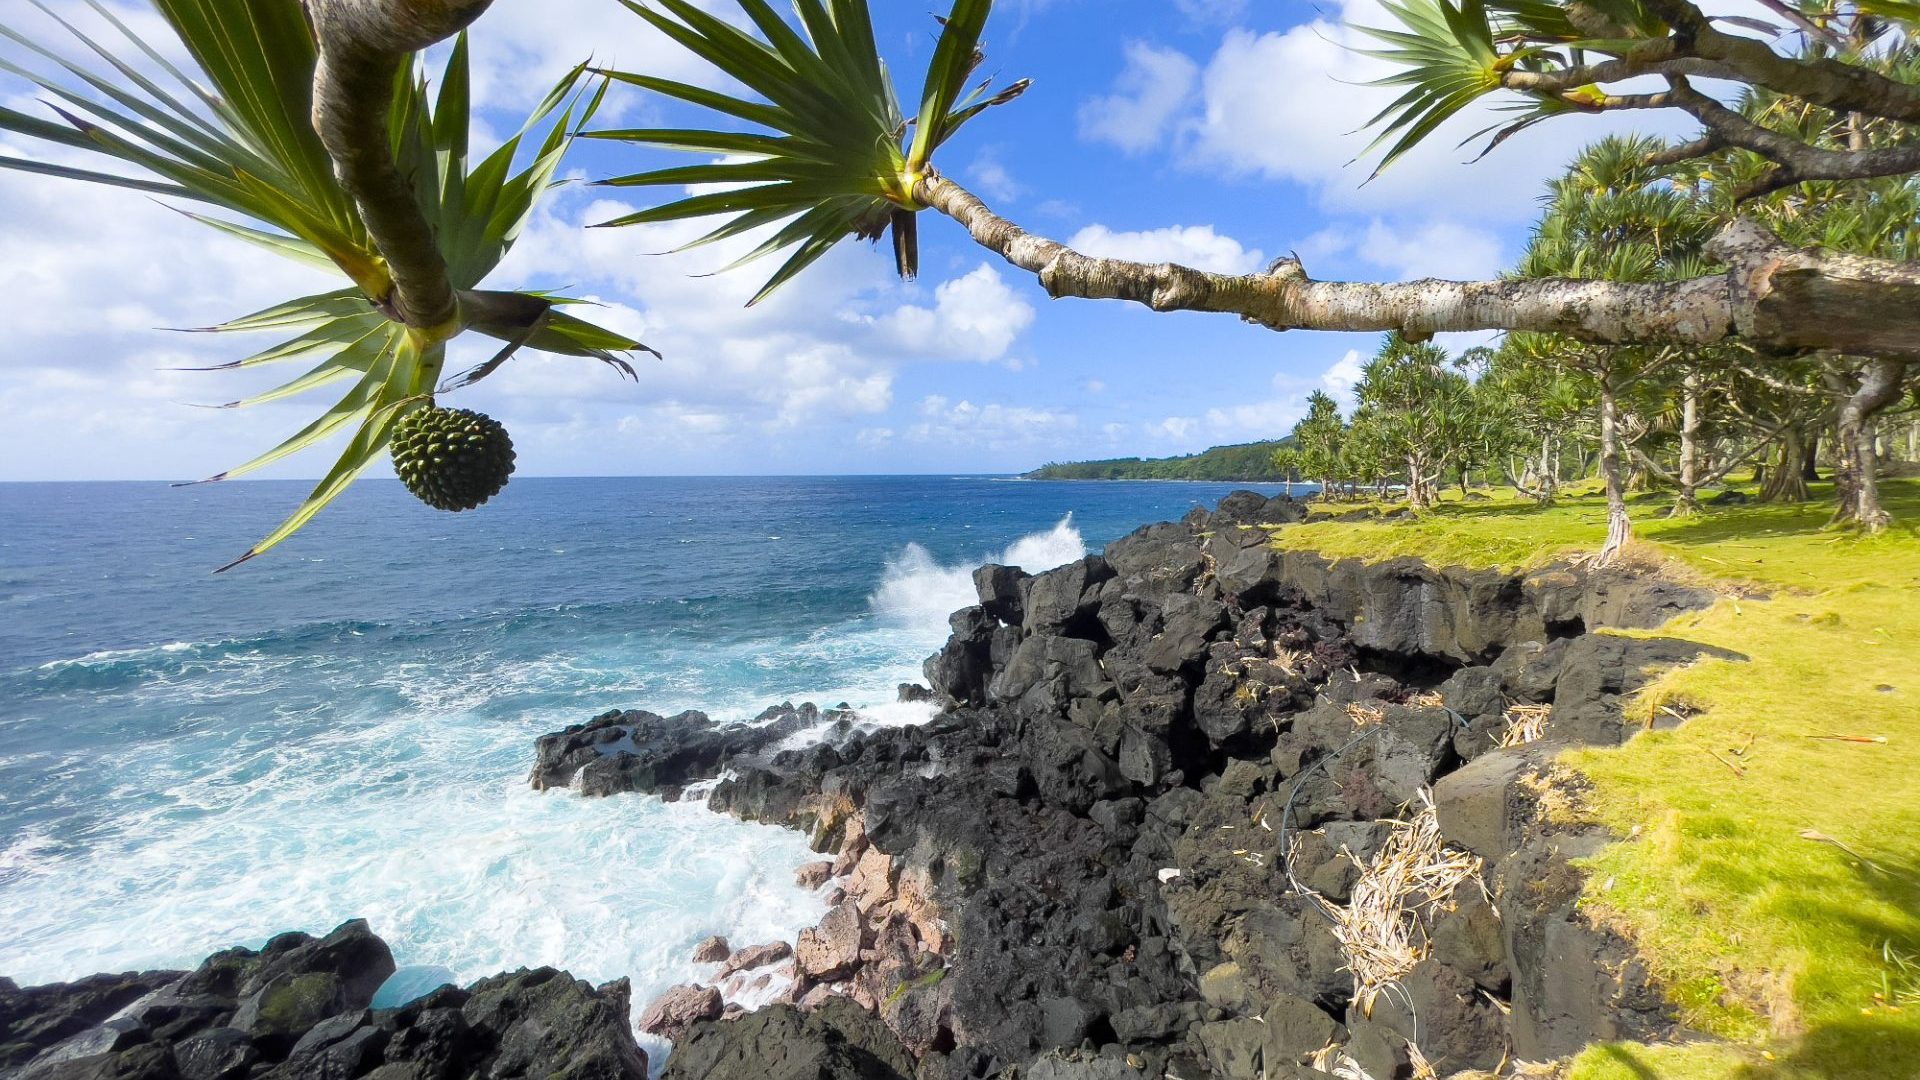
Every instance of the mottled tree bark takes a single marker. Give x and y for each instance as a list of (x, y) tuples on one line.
[(1687, 502), (1881, 382), (1619, 525), (1772, 296), (1786, 482), (364, 44)]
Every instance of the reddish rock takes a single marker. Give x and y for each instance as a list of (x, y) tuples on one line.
[(831, 949), (814, 874), (872, 881), (755, 956), (817, 997), (673, 1012), (712, 951), (853, 847)]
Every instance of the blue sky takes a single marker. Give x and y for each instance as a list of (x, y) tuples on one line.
[(1212, 132)]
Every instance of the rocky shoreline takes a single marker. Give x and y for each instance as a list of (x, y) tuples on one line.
[(1181, 813)]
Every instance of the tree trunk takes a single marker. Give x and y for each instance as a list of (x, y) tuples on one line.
[(1417, 497), (1856, 480), (1772, 295), (1810, 460), (1687, 503), (1549, 469), (1787, 481), (1619, 526)]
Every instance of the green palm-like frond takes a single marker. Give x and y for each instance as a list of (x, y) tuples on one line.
[(1447, 61), (234, 136), (832, 157)]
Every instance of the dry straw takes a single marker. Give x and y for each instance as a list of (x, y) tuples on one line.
[(1383, 929), (1525, 724)]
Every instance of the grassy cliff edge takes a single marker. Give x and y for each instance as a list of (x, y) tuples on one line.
[(1769, 860)]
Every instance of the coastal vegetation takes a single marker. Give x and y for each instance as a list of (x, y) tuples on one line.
[(1779, 235), (1245, 463)]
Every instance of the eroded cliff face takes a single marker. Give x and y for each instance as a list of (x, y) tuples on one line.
[(1130, 843)]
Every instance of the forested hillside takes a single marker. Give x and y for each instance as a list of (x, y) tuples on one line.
[(1245, 462)]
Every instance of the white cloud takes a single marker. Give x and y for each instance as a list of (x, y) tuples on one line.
[(1340, 379), (988, 427), (989, 176), (1294, 105), (1436, 249), (1149, 93), (520, 50), (1212, 11), (1177, 428), (1197, 246), (974, 317)]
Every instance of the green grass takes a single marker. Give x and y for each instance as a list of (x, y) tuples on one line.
[(1784, 947)]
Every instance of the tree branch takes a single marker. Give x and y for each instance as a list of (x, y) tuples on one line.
[(1775, 297), (1824, 81), (364, 45), (1798, 161)]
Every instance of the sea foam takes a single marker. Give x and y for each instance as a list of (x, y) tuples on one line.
[(917, 591)]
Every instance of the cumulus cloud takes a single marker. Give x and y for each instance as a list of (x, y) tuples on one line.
[(1294, 105), (521, 50), (990, 427), (977, 316), (1340, 379), (1197, 246), (1150, 92), (1405, 251)]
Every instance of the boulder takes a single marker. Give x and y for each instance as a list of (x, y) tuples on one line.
[(814, 874), (1002, 591), (673, 1012), (837, 1039), (713, 950), (830, 950), (754, 957)]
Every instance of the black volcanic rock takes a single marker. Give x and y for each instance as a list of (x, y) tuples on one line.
[(643, 751), (298, 1010)]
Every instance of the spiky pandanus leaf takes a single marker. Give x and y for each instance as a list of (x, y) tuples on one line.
[(832, 157), (234, 135)]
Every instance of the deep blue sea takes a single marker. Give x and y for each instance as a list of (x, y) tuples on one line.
[(344, 727)]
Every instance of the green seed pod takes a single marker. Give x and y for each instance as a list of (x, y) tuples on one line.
[(451, 459)]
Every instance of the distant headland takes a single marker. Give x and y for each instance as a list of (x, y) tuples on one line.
[(1241, 463)]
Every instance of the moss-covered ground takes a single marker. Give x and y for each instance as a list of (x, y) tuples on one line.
[(1769, 860)]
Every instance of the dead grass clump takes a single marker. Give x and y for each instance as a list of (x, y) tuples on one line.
[(1364, 714), (1383, 929), (1525, 724)]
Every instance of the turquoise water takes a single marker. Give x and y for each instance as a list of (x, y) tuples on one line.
[(344, 727)]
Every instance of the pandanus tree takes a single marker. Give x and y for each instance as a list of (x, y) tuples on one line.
[(310, 132), (1615, 216), (1419, 411), (307, 130), (1873, 216)]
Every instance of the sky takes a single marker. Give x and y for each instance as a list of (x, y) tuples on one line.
[(1217, 133)]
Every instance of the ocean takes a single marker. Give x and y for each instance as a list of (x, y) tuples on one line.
[(343, 728)]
